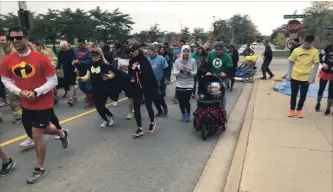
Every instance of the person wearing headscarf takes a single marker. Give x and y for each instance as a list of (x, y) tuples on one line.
[(185, 68), (100, 73), (235, 58), (144, 84)]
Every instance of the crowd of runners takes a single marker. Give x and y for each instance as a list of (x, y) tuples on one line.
[(30, 82)]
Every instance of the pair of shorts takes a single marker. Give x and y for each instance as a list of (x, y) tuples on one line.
[(36, 118), (70, 78)]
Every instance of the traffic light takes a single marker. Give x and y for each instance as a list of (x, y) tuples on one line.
[(25, 19)]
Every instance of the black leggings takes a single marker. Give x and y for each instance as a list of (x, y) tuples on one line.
[(184, 96), (298, 86), (159, 100), (100, 102), (28, 126), (322, 86), (137, 99)]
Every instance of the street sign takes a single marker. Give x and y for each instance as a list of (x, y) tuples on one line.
[(294, 16), (294, 26)]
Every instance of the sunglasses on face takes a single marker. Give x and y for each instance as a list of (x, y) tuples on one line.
[(17, 38)]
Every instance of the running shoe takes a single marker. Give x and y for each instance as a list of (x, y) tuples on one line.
[(327, 112), (7, 168), (64, 141), (28, 142), (111, 121), (129, 116), (152, 128), (104, 124), (188, 117), (182, 118), (37, 175), (138, 133)]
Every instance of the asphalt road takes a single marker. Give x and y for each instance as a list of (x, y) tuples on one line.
[(109, 159)]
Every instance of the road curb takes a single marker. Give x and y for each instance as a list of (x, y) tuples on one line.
[(215, 173), (236, 168)]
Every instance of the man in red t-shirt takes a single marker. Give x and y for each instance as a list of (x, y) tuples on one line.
[(32, 76)]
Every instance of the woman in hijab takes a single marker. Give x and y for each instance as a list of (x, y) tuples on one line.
[(100, 73), (235, 58), (185, 69), (143, 84)]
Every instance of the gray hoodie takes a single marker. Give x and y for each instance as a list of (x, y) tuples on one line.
[(185, 80)]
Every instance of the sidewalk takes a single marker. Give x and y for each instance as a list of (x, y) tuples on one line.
[(282, 154)]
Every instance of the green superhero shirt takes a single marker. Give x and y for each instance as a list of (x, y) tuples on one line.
[(217, 64)]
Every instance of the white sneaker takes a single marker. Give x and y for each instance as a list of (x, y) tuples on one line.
[(28, 142), (129, 116), (104, 124), (115, 104), (111, 121)]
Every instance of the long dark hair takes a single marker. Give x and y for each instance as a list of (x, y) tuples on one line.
[(204, 52), (162, 54)]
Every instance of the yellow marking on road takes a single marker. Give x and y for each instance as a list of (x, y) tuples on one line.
[(61, 122)]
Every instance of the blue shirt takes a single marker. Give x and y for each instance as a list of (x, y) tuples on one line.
[(158, 63)]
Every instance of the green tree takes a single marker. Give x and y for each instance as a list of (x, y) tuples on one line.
[(199, 34), (185, 34), (9, 20), (46, 27), (171, 36), (319, 22)]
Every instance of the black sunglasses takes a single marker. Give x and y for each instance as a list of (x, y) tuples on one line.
[(17, 38)]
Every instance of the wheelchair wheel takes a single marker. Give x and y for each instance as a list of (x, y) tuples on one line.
[(204, 131)]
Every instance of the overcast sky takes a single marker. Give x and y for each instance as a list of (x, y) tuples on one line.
[(266, 15)]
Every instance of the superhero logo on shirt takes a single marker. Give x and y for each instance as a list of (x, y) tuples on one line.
[(81, 55), (95, 69), (217, 63), (24, 70)]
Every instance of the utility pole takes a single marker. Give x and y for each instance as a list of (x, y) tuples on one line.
[(24, 15), (232, 30)]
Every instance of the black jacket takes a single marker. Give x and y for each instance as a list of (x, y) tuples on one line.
[(268, 54), (65, 59), (326, 56), (143, 76)]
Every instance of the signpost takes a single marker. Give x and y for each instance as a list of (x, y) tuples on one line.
[(302, 16)]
